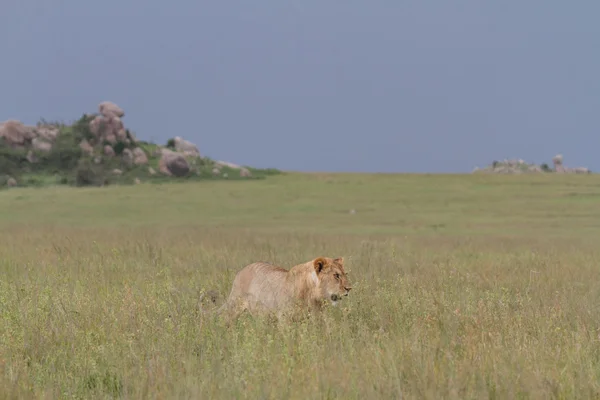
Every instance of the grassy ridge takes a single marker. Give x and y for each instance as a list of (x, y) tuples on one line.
[(464, 287), (67, 164)]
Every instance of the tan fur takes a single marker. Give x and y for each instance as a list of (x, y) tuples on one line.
[(262, 286)]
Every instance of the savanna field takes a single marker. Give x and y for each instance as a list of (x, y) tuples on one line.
[(464, 287)]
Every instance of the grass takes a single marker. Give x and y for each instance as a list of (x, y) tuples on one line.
[(464, 287)]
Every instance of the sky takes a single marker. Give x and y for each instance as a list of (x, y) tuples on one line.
[(313, 85)]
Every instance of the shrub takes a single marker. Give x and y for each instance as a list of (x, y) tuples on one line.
[(545, 167), (63, 157), (81, 129), (90, 174), (12, 161), (119, 147)]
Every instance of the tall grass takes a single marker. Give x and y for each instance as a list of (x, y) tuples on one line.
[(464, 287)]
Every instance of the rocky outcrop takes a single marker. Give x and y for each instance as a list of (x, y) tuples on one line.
[(98, 145), (521, 167), (557, 160), (40, 145), (510, 167), (108, 126), (16, 134), (46, 132), (244, 172)]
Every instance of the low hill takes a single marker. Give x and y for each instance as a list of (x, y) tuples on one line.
[(99, 150)]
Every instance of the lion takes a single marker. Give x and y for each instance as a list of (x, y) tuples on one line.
[(262, 286)]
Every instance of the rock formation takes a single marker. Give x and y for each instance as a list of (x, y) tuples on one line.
[(173, 164), (520, 167), (19, 136), (100, 149), (188, 149)]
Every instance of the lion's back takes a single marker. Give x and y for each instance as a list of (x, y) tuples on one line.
[(259, 273), (261, 281)]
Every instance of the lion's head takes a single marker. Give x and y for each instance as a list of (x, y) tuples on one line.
[(333, 280)]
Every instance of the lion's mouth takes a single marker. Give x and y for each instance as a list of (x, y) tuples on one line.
[(335, 297)]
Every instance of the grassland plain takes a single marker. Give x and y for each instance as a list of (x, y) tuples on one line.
[(474, 286)]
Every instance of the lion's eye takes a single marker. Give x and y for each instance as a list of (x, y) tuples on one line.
[(337, 276)]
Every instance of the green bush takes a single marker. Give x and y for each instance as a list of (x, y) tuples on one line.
[(12, 162), (119, 147), (63, 157), (81, 129), (545, 167), (90, 174)]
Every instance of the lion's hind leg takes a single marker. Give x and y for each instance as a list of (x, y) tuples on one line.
[(232, 309)]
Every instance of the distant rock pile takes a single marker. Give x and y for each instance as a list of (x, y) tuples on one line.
[(108, 127), (559, 168), (521, 167), (99, 149), (18, 136)]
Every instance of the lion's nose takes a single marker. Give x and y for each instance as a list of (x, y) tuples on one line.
[(348, 288)]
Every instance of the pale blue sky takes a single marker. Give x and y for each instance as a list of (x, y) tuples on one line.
[(377, 86)]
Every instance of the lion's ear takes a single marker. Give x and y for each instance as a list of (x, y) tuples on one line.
[(319, 264), (339, 260)]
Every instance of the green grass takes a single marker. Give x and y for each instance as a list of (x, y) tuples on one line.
[(475, 286)]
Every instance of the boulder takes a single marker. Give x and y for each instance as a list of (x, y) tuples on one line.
[(111, 138), (581, 170), (139, 156), (109, 151), (186, 148), (86, 147), (162, 167), (11, 182), (110, 109), (109, 127), (558, 164), (98, 126), (46, 132), (16, 134), (245, 173), (39, 144), (227, 164), (173, 164), (127, 157)]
